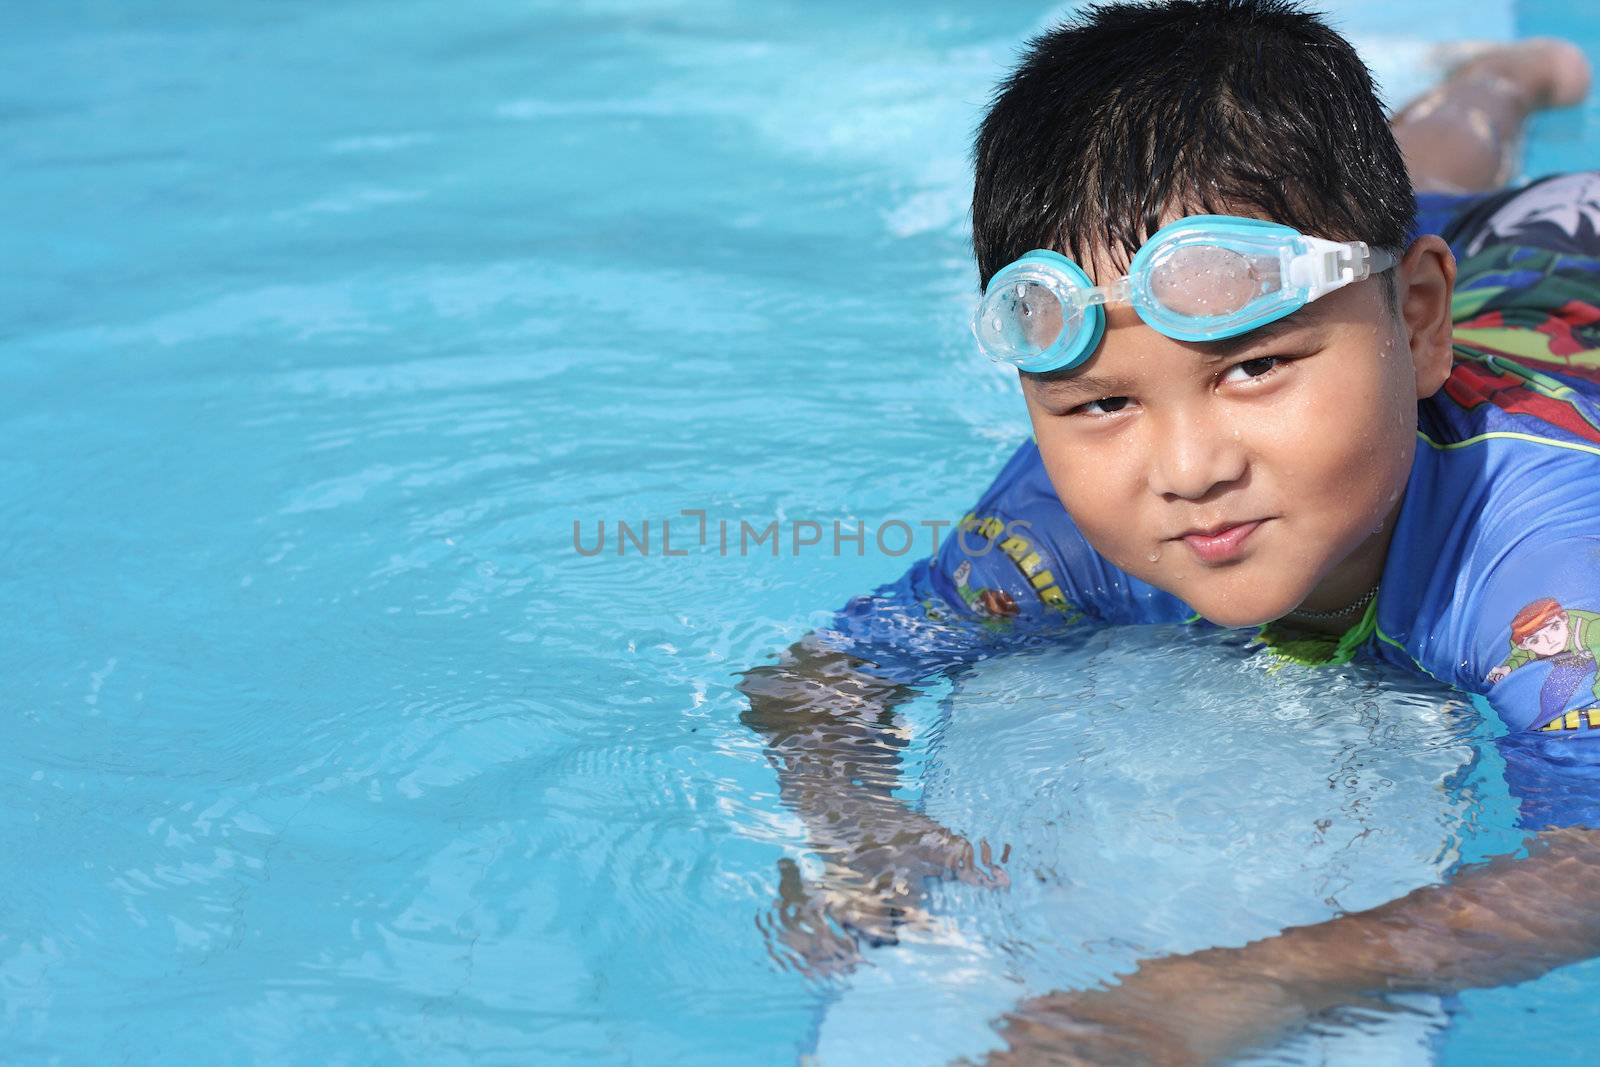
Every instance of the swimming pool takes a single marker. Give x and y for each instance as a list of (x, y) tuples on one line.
[(326, 743)]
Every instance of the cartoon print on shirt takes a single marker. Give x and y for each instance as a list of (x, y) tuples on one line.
[(1567, 640), (1014, 540), (994, 602)]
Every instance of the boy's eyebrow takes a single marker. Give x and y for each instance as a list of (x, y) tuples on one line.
[(1301, 319), (1056, 385)]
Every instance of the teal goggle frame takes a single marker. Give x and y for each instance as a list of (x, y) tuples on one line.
[(1201, 278)]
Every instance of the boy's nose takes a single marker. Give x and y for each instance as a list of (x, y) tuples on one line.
[(1193, 454)]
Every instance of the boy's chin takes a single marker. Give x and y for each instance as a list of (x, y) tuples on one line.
[(1239, 598), (1237, 622), (1242, 612)]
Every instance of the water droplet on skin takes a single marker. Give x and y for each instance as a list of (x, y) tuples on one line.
[(1154, 556)]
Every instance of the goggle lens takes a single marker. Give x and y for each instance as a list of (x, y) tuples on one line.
[(1204, 280), (1023, 318)]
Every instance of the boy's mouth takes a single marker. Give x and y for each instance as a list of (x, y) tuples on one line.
[(1222, 543)]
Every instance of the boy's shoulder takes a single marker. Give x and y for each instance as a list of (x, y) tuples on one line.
[(1526, 315), (1502, 512), (1509, 449), (1494, 393)]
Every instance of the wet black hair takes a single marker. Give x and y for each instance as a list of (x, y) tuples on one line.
[(1129, 111)]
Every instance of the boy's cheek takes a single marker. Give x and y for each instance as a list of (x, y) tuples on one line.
[(1350, 436)]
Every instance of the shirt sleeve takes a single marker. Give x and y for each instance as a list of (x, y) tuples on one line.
[(998, 580), (1536, 645)]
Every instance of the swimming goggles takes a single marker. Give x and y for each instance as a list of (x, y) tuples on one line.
[(1201, 278)]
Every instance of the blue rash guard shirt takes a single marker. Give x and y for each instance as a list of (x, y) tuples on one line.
[(1492, 583)]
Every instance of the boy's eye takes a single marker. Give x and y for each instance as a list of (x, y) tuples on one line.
[(1243, 371), (1106, 405), (1252, 368)]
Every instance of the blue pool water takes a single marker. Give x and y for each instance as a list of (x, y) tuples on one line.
[(324, 324)]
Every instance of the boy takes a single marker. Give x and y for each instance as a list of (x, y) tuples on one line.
[(1257, 399)]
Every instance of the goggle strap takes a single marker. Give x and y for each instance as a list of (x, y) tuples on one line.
[(1381, 261)]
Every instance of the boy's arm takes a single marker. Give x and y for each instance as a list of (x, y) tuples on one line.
[(833, 737), (827, 708), (1508, 921)]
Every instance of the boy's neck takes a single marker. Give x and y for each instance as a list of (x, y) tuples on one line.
[(1356, 576)]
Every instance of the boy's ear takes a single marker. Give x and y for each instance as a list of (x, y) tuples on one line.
[(1426, 280)]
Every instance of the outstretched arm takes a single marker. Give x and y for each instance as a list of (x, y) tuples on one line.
[(829, 708), (1505, 922), (834, 738)]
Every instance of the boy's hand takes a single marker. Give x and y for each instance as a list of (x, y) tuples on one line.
[(895, 849), (1498, 675), (874, 888)]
